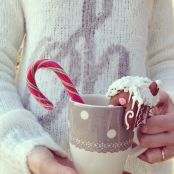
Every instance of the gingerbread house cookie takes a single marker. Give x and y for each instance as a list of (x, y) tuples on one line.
[(137, 94)]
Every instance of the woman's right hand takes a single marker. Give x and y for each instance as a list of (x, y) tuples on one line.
[(42, 161)]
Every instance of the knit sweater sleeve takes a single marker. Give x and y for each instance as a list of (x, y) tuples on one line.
[(160, 66), (19, 129), (161, 45)]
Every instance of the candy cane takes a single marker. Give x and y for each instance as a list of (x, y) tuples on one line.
[(58, 70)]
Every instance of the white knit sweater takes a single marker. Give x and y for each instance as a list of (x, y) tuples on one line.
[(96, 41)]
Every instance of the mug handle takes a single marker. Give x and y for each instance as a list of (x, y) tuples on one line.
[(137, 150)]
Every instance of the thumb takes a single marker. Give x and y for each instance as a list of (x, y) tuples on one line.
[(42, 161), (165, 104), (51, 166), (163, 98)]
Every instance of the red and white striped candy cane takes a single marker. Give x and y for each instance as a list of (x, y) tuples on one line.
[(58, 70)]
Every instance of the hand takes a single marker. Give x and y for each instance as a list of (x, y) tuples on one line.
[(42, 161), (158, 133)]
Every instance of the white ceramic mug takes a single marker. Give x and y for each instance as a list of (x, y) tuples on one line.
[(99, 142)]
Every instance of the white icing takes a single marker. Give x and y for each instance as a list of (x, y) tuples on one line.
[(130, 95), (139, 106), (139, 121), (138, 88), (129, 114)]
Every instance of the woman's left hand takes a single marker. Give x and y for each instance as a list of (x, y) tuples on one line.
[(157, 135)]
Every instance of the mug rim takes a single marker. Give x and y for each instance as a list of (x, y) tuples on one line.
[(94, 106)]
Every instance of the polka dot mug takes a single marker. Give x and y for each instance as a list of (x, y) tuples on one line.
[(99, 141)]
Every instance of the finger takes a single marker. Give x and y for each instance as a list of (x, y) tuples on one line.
[(165, 104), (163, 98), (42, 161), (158, 124), (64, 161), (155, 155), (36, 158), (151, 155), (157, 140), (51, 166)]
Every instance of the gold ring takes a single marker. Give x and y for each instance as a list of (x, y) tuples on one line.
[(163, 155)]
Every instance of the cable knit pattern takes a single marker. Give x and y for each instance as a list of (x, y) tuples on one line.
[(96, 42)]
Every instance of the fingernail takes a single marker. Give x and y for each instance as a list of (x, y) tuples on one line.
[(143, 158)]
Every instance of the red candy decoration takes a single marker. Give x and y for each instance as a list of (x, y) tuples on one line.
[(59, 71)]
